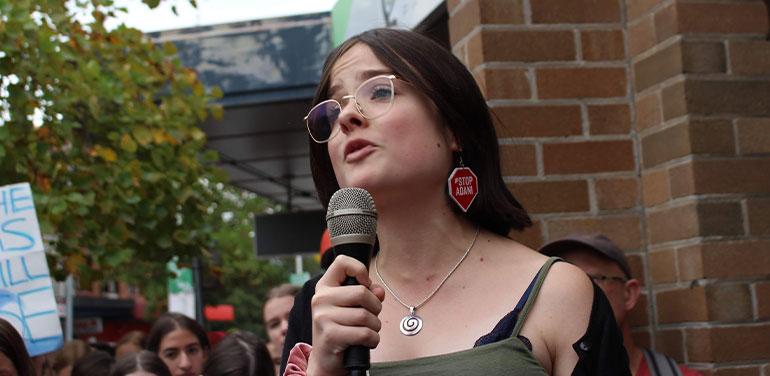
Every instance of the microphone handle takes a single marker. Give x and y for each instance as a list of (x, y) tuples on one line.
[(356, 358)]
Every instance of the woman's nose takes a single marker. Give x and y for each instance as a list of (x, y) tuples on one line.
[(350, 116)]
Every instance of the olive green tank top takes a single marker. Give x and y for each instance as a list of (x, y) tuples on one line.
[(509, 356)]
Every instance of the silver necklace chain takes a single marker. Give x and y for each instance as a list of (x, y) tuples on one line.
[(412, 324)]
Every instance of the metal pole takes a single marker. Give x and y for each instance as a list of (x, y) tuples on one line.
[(69, 287), (198, 291)]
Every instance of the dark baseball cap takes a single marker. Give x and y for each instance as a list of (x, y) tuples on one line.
[(595, 241)]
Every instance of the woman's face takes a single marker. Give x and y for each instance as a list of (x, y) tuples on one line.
[(6, 366), (408, 146), (182, 353), (277, 319)]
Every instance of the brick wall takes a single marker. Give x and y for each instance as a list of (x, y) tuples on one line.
[(648, 121)]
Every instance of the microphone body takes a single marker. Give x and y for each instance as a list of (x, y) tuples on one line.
[(352, 221)]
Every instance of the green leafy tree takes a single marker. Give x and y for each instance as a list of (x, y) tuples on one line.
[(104, 126), (238, 278)]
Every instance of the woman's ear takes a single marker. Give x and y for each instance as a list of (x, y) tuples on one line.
[(451, 140)]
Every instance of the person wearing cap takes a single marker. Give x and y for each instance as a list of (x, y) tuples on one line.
[(606, 264)]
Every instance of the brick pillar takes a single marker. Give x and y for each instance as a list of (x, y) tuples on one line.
[(702, 113), (648, 121)]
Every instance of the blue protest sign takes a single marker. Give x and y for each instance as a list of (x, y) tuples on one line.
[(26, 294)]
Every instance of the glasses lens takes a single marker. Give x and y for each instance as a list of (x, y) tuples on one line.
[(322, 120), (375, 97)]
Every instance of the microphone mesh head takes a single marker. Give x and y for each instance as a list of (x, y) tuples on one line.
[(351, 211)]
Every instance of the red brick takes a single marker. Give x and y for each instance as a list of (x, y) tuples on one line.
[(478, 12), (504, 83), (552, 196), (655, 187), (681, 305), (621, 193), (681, 180), (724, 18), (724, 260), (624, 231), (609, 119), (671, 343), (762, 299), (758, 211), (452, 4), (749, 56), (728, 343), (580, 82), (666, 23), (739, 296), (523, 46), (636, 263), (462, 22), (602, 45), (575, 11), (674, 100), (693, 137), (637, 8), (731, 175), (648, 111), (672, 223), (658, 67), (518, 160), (641, 35), (639, 315), (737, 371), (531, 237), (713, 96), (703, 57), (662, 266), (588, 157), (538, 121), (753, 135), (720, 218)]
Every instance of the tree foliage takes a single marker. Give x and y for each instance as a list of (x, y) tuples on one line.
[(104, 126)]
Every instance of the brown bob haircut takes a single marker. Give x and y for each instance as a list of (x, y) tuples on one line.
[(447, 82)]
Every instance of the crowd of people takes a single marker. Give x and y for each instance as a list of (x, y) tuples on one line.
[(175, 346)]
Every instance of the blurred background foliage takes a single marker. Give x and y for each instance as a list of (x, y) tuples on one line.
[(103, 124)]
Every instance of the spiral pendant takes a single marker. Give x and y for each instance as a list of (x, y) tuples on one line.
[(411, 324)]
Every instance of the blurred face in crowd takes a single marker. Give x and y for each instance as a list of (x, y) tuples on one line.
[(6, 366), (621, 295), (126, 349), (182, 353), (277, 320)]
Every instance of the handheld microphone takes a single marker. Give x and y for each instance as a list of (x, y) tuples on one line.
[(352, 221)]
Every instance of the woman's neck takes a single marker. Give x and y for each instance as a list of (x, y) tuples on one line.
[(420, 240)]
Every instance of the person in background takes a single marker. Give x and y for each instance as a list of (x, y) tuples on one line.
[(141, 363), (606, 264), (180, 342), (14, 359), (131, 343), (66, 357), (95, 363), (279, 302), (239, 354)]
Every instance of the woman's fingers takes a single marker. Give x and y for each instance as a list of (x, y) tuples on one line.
[(342, 268)]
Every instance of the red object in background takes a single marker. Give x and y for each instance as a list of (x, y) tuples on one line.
[(215, 337), (222, 312)]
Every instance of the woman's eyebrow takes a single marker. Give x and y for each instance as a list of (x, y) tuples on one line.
[(362, 76)]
